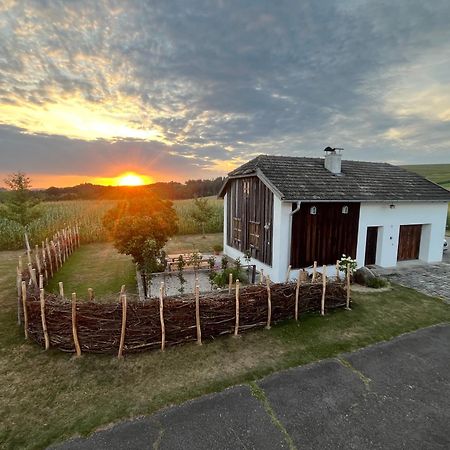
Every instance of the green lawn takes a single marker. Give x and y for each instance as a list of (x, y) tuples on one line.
[(194, 242), (47, 397), (97, 266)]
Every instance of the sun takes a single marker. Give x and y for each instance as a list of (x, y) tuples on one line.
[(132, 179)]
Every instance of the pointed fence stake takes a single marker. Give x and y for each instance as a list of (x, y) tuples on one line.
[(314, 275), (269, 302), (161, 316), (90, 294), (324, 288), (44, 322), (24, 306), (230, 282), (348, 287), (61, 289), (297, 294), (197, 315), (288, 273), (236, 325), (76, 342), (123, 327), (338, 277)]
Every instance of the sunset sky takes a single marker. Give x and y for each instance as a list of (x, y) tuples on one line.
[(172, 90)]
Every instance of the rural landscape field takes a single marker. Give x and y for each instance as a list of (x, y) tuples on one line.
[(310, 309)]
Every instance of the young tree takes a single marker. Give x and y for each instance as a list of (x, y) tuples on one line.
[(21, 205), (202, 212), (140, 227)]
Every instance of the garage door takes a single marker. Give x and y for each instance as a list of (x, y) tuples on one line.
[(409, 242)]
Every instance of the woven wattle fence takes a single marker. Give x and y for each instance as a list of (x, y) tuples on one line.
[(99, 325)]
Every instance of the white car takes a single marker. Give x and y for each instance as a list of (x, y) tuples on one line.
[(445, 245)]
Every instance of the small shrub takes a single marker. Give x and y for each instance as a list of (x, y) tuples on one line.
[(376, 283), (221, 279), (218, 248)]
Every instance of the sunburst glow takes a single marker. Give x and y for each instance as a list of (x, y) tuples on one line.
[(132, 179)]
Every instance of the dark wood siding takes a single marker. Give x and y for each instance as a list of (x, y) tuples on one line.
[(324, 236), (250, 205), (409, 242)]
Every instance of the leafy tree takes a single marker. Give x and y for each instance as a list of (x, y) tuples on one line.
[(20, 205), (202, 212), (140, 227)]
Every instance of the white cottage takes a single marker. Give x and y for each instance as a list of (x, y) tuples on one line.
[(294, 211)]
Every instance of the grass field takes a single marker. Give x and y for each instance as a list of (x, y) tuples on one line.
[(98, 266), (47, 397), (438, 173), (89, 214)]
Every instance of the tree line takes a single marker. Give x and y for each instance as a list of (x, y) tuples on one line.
[(167, 190)]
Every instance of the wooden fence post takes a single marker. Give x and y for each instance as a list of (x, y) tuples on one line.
[(269, 302), (338, 277), (314, 275), (90, 294), (124, 324), (261, 279), (348, 287), (24, 306), (297, 293), (53, 246), (19, 295), (230, 282), (288, 273), (44, 261), (161, 316), (41, 281), (33, 277), (38, 259), (61, 289), (44, 323), (197, 314), (74, 324), (324, 288), (236, 325)]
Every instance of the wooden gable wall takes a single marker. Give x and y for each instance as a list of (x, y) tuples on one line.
[(250, 217)]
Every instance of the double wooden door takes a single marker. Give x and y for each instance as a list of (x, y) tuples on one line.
[(409, 242)]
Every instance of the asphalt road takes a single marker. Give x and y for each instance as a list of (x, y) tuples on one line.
[(393, 395)]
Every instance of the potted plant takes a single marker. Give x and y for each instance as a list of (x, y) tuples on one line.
[(217, 249)]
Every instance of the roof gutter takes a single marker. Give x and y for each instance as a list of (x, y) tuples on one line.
[(296, 209)]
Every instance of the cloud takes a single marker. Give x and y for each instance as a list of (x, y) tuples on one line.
[(213, 82)]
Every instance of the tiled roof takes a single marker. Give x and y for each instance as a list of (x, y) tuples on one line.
[(297, 178)]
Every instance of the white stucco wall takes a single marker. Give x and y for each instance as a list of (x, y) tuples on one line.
[(432, 216)]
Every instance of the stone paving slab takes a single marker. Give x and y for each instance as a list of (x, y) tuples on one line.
[(232, 419), (391, 395), (430, 279)]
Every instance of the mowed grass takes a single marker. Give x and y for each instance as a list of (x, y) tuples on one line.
[(97, 266), (194, 242), (46, 397)]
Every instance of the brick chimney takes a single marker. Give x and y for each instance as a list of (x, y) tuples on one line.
[(333, 159)]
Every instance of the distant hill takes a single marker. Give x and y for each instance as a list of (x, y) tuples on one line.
[(171, 191), (438, 173)]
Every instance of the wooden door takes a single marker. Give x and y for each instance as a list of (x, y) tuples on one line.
[(409, 242), (371, 246)]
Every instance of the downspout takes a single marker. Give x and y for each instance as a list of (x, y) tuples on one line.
[(291, 214)]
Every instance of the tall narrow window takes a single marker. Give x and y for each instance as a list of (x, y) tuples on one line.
[(237, 232), (254, 233)]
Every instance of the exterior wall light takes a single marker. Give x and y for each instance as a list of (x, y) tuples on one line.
[(313, 210), (392, 206), (345, 209)]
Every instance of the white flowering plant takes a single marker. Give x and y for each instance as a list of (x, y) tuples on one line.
[(347, 262)]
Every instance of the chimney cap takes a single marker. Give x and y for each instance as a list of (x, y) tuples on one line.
[(333, 150)]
